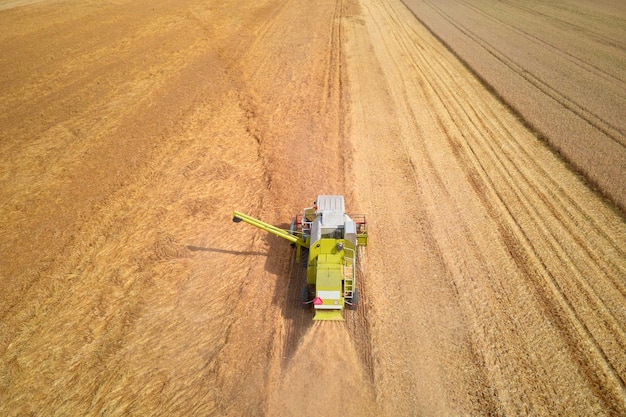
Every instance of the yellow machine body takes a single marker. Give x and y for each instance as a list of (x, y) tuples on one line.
[(332, 239)]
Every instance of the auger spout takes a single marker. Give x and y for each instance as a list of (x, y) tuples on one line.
[(285, 234)]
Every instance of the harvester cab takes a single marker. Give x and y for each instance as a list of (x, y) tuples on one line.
[(332, 239)]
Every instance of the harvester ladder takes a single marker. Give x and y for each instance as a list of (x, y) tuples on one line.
[(349, 275)]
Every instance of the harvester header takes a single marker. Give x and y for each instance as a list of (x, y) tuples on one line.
[(331, 238)]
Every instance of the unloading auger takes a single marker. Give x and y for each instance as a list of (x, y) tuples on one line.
[(331, 238)]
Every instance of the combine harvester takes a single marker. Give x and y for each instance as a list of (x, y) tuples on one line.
[(331, 238)]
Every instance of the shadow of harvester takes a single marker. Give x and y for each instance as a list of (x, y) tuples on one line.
[(280, 261), (290, 281)]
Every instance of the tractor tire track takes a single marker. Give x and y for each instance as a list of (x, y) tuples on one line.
[(608, 332), (614, 41), (594, 266), (585, 292), (530, 199), (613, 132), (590, 67), (582, 124)]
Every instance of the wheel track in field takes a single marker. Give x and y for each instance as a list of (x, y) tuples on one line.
[(532, 204), (614, 133), (609, 335), (588, 67), (608, 325), (404, 285), (273, 15), (496, 301), (513, 169), (332, 77), (596, 35)]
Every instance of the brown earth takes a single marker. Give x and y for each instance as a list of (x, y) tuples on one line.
[(130, 130)]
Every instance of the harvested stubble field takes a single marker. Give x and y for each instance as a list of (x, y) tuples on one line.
[(129, 131)]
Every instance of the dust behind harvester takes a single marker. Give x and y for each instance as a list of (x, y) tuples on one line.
[(332, 239)]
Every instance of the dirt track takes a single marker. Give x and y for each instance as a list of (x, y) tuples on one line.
[(493, 284)]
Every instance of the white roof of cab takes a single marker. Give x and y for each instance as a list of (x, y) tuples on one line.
[(330, 203), (332, 209)]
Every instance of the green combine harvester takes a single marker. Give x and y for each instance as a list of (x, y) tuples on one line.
[(331, 238)]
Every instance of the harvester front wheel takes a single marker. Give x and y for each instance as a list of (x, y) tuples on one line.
[(354, 303), (305, 297)]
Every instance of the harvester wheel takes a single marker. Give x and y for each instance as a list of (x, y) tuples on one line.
[(355, 300), (305, 298)]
